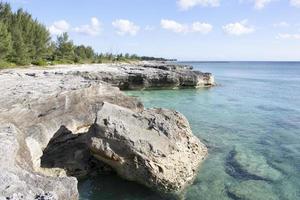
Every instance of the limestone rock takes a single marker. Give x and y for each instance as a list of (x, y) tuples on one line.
[(155, 147), (64, 122), (17, 182)]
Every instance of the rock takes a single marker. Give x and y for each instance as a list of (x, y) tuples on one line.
[(252, 190), (17, 182), (245, 164), (67, 122), (30, 74), (155, 147), (164, 75)]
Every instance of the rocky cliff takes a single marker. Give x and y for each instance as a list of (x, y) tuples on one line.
[(65, 122)]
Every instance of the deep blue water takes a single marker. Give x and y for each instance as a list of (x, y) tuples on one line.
[(251, 124)]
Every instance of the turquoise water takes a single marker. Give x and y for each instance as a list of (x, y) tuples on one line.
[(251, 124)]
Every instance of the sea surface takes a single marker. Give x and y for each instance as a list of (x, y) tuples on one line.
[(251, 125)]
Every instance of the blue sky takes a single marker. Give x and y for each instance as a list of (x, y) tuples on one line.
[(182, 29)]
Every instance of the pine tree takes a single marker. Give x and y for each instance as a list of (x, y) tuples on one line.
[(5, 13), (23, 40), (80, 52), (89, 52), (41, 43), (5, 42), (19, 53), (65, 48)]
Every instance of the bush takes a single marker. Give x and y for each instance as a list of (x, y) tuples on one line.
[(40, 63), (61, 62)]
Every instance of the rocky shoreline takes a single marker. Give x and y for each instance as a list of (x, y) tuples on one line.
[(63, 122)]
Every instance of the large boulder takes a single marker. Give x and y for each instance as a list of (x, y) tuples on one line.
[(155, 147)]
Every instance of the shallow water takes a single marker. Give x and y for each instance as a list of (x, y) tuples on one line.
[(251, 124)]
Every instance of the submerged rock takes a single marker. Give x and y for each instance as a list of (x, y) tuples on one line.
[(207, 181), (251, 190), (245, 164), (58, 124)]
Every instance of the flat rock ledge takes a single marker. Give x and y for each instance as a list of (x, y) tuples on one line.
[(60, 123)]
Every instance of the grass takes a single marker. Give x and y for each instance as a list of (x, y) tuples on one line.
[(7, 65)]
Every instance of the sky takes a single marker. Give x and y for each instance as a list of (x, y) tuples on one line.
[(202, 30)]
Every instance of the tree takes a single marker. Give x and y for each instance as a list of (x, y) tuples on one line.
[(5, 13), (65, 48), (80, 53), (89, 52), (41, 43), (19, 53), (24, 40), (5, 42)]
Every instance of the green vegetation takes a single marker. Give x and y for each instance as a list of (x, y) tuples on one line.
[(25, 41)]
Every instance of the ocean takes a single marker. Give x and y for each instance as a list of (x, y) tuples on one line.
[(251, 125)]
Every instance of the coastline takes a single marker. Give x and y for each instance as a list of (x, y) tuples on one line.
[(61, 107), (130, 76)]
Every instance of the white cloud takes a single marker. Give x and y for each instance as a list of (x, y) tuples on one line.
[(260, 4), (174, 26), (281, 24), (92, 29), (238, 28), (203, 28), (187, 4), (124, 27), (288, 36), (177, 27), (59, 27), (295, 3)]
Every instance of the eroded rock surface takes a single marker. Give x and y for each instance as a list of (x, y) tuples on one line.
[(154, 147), (64, 122)]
